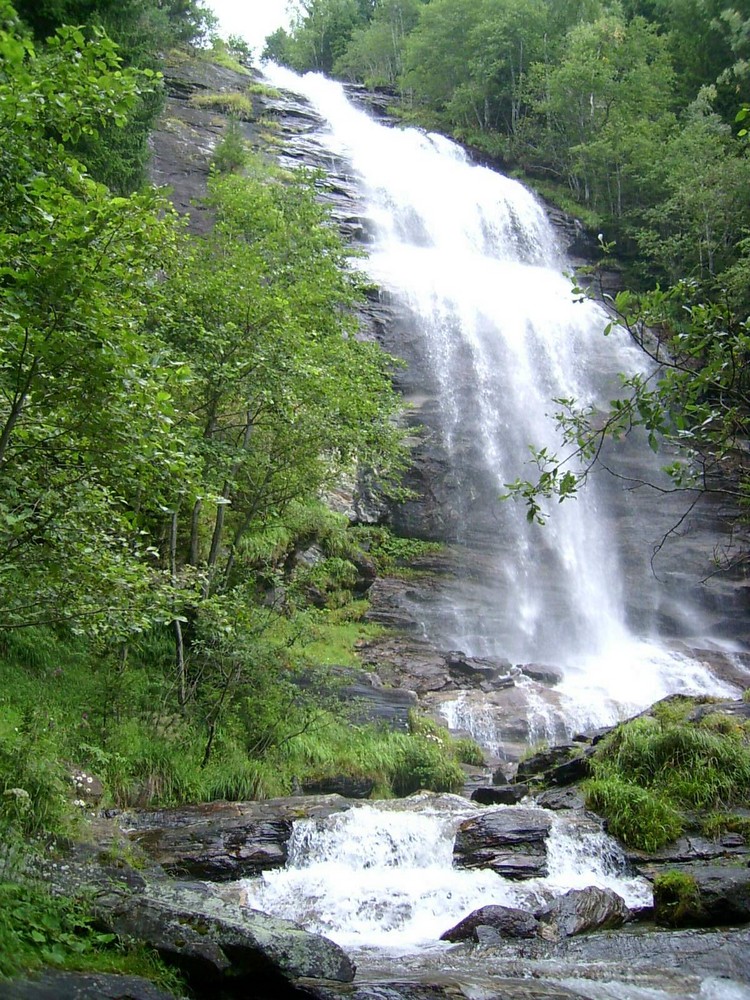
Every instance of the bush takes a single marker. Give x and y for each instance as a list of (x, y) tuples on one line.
[(34, 790), (636, 815), (652, 770), (37, 928)]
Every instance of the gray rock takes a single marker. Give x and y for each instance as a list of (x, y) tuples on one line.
[(739, 710), (581, 910), (561, 798), (223, 841), (571, 771), (213, 938), (512, 842), (505, 921), (688, 850), (542, 673), (500, 795), (720, 897), (540, 763), (389, 706), (53, 984)]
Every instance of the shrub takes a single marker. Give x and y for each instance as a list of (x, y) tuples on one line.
[(640, 818), (34, 799)]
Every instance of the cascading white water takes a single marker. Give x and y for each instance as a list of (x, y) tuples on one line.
[(472, 257), (380, 875)]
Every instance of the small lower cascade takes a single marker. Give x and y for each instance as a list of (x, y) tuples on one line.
[(380, 876)]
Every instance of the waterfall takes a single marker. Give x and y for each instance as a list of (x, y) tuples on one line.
[(474, 265), (380, 875)]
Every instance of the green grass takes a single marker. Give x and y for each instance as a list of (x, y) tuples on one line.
[(228, 102), (398, 763), (638, 817), (652, 773)]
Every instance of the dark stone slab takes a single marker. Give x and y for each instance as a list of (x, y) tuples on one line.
[(53, 984), (500, 795), (511, 842)]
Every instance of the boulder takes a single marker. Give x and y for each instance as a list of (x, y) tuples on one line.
[(703, 895), (581, 910), (506, 921), (214, 939), (542, 673), (543, 763), (500, 795), (689, 850), (561, 798), (571, 771), (53, 984), (512, 842), (474, 671)]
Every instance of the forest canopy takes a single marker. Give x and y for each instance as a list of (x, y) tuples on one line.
[(630, 115)]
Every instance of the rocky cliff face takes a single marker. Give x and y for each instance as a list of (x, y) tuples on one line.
[(284, 127)]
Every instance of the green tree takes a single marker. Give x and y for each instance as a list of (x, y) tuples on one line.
[(286, 397), (86, 449), (375, 51)]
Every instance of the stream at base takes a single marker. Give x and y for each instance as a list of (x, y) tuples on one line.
[(379, 880)]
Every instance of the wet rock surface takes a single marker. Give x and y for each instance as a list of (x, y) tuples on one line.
[(215, 939), (718, 895), (222, 841), (582, 910), (500, 795), (512, 842), (54, 984), (506, 921)]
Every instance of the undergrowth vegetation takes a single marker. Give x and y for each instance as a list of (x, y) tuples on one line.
[(40, 929), (659, 774)]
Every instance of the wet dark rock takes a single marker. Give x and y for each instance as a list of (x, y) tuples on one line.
[(506, 921), (502, 989), (561, 798), (690, 849), (711, 896), (593, 736), (541, 763), (723, 954), (500, 795), (542, 673), (571, 771), (213, 939), (388, 706), (473, 671), (582, 910), (223, 841), (512, 842), (499, 776), (349, 786), (53, 984)]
